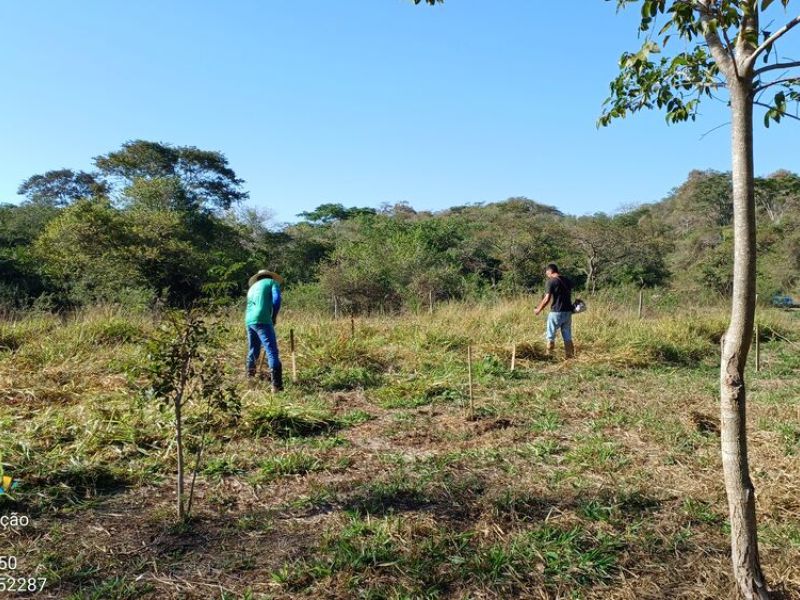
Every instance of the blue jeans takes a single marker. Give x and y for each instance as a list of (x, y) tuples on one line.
[(258, 335), (559, 321)]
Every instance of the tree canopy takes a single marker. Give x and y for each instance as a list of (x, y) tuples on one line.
[(721, 41), (141, 241), (185, 176)]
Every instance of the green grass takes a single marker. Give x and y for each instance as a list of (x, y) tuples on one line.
[(293, 463), (371, 478), (117, 588), (290, 420)]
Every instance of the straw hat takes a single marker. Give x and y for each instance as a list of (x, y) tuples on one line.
[(265, 274)]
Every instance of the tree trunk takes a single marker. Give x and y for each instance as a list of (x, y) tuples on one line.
[(735, 345)]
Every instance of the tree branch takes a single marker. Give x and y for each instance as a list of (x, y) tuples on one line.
[(714, 129), (730, 50), (771, 40), (783, 114), (777, 66), (747, 37), (720, 53), (761, 88)]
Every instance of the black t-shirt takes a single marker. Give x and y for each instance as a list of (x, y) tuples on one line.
[(560, 290)]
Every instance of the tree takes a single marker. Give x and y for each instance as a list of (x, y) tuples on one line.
[(195, 179), (777, 194), (387, 262), (185, 369), (20, 273), (625, 248), (325, 214), (723, 40), (62, 186), (86, 251), (509, 243)]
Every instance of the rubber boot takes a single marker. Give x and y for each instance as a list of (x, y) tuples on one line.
[(277, 378), (551, 349), (569, 350)]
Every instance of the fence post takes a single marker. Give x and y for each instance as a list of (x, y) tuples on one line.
[(641, 302), (294, 356), (758, 350), (335, 307), (513, 356), (757, 341), (430, 301), (352, 326), (469, 380)]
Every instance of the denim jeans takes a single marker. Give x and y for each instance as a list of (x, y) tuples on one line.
[(559, 321), (258, 335)]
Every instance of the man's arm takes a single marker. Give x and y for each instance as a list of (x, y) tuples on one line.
[(545, 301), (276, 301)]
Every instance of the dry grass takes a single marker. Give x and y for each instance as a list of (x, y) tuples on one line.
[(597, 478)]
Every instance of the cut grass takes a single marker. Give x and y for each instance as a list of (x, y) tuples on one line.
[(293, 463), (289, 420), (371, 479)]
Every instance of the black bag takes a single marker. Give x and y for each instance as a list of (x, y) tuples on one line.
[(578, 306)]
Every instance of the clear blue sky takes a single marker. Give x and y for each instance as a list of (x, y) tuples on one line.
[(353, 101)]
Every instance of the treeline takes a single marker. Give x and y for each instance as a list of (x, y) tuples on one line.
[(155, 223)]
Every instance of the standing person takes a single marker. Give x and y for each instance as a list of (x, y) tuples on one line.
[(263, 305), (559, 291)]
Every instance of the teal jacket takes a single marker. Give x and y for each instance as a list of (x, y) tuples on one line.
[(263, 303)]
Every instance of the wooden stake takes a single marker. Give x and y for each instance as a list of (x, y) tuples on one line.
[(469, 380), (352, 326), (430, 301), (294, 356), (758, 351), (335, 307), (513, 356), (261, 370), (641, 302)]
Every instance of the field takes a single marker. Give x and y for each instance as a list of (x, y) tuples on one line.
[(372, 477)]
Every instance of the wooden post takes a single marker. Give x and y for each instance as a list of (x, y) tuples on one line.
[(352, 326), (469, 380), (335, 307), (641, 302), (758, 351), (757, 342), (513, 356), (430, 301), (294, 356), (261, 370)]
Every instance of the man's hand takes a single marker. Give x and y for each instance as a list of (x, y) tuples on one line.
[(545, 301)]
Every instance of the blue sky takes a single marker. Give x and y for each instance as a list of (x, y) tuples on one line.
[(353, 101)]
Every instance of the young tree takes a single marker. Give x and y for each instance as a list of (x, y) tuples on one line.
[(186, 372), (723, 42)]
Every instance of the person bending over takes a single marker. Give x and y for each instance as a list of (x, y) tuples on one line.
[(263, 305)]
